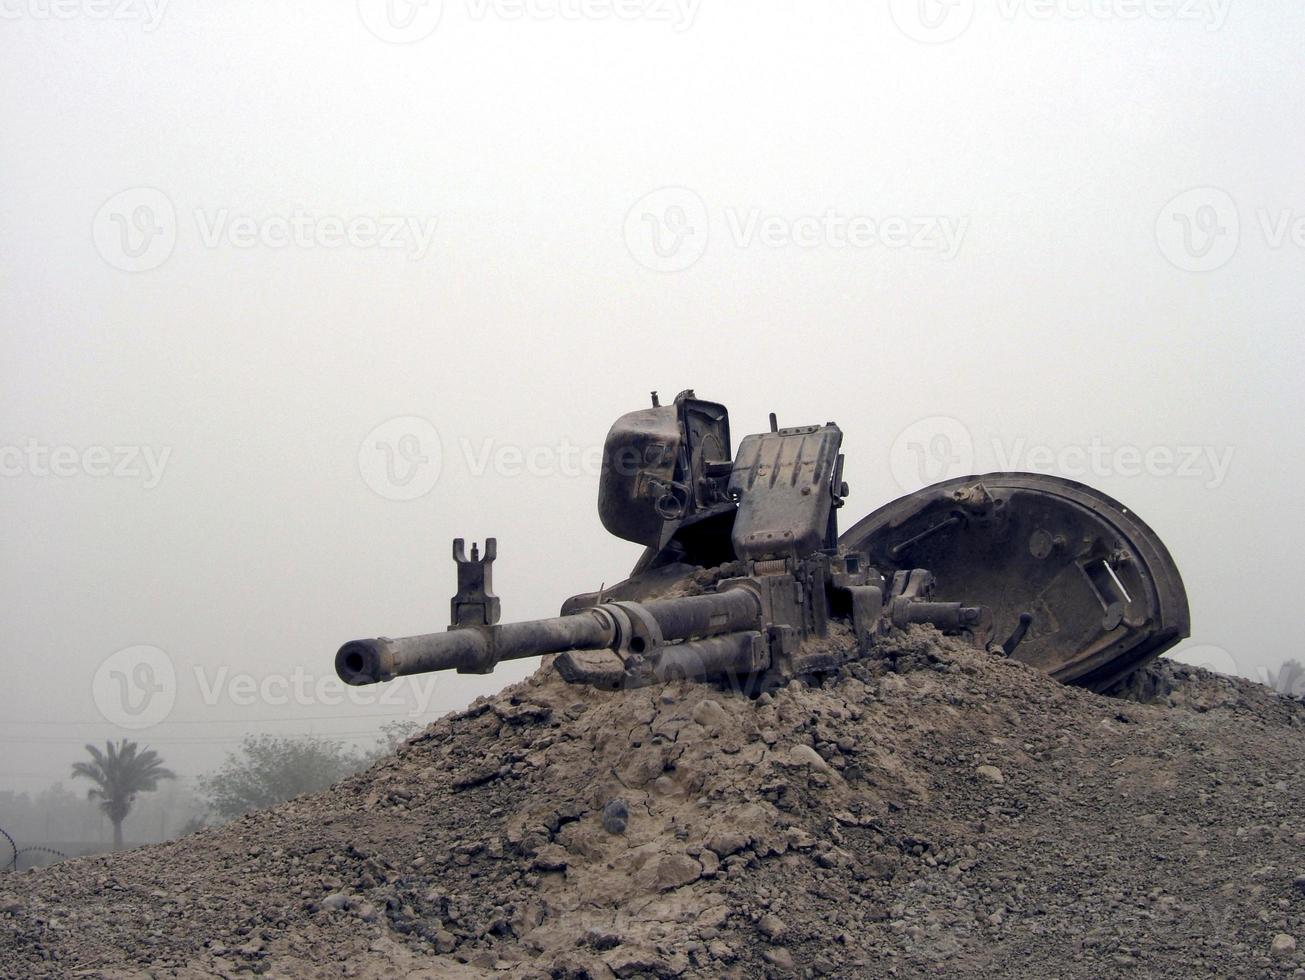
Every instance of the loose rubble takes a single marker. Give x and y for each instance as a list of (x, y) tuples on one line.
[(936, 812)]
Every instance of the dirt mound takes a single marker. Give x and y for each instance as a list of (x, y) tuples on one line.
[(936, 812)]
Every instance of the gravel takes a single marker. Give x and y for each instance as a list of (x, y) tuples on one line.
[(933, 812)]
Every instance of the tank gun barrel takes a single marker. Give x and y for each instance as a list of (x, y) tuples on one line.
[(634, 628)]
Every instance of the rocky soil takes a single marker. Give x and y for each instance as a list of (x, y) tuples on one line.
[(934, 813)]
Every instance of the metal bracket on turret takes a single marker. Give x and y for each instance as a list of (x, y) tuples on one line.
[(475, 604)]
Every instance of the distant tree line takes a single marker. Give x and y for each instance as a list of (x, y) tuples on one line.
[(128, 780)]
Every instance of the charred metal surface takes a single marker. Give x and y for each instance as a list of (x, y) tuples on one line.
[(744, 575)]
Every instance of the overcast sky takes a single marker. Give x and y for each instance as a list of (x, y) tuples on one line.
[(293, 293)]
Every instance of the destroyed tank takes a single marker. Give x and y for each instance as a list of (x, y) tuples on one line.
[(745, 578)]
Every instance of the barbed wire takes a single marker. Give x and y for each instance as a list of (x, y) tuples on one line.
[(13, 846), (18, 852)]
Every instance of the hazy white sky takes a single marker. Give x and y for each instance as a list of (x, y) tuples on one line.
[(239, 239)]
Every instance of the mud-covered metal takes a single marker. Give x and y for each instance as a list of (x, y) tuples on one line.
[(744, 575), (1102, 592)]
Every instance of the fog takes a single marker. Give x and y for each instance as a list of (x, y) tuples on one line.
[(241, 240)]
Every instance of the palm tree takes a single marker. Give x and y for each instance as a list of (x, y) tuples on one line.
[(119, 773)]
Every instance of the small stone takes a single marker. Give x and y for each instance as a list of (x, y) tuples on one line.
[(727, 842), (990, 773), (710, 715), (550, 858), (799, 839), (722, 951), (444, 941), (1283, 944), (335, 902), (805, 755), (669, 871), (771, 926), (780, 958), (1299, 883), (616, 816), (602, 941), (709, 861), (636, 963)]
